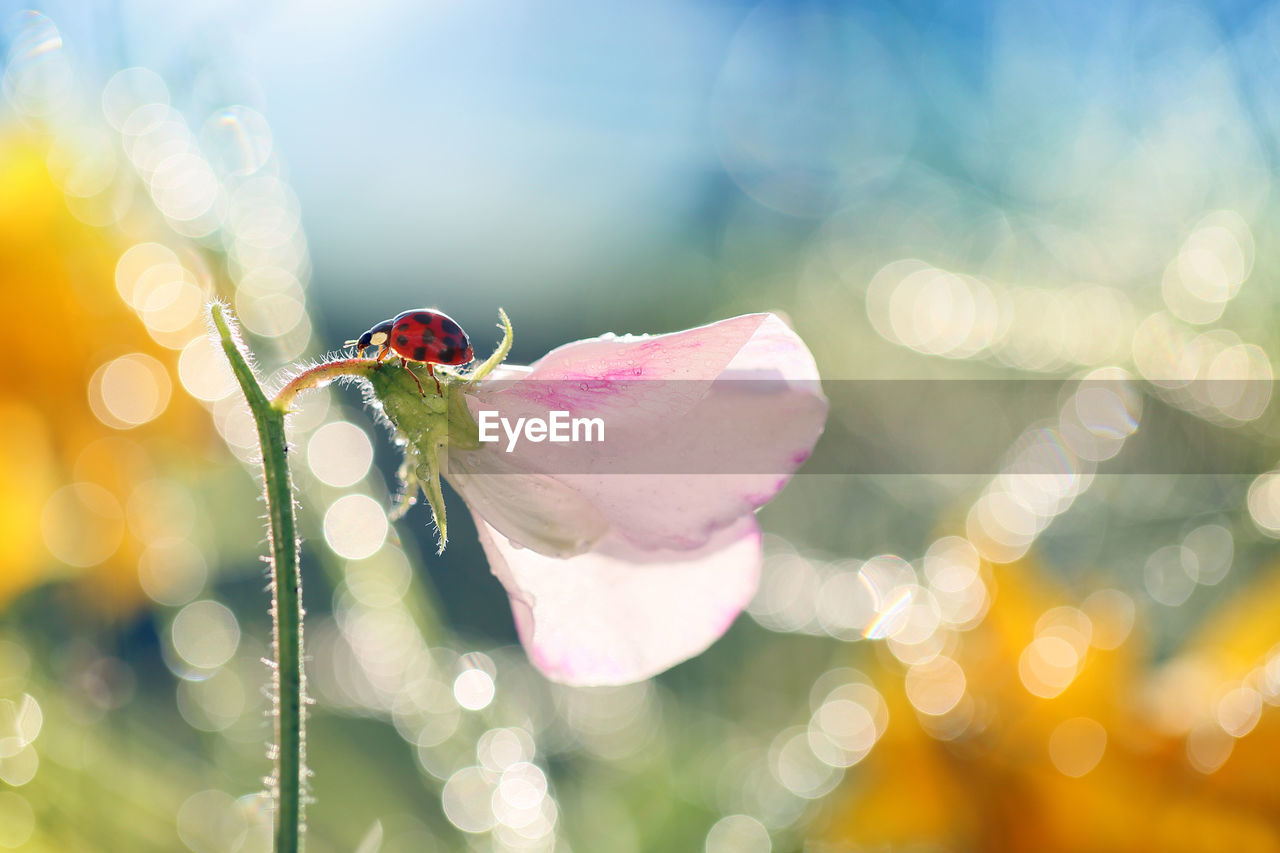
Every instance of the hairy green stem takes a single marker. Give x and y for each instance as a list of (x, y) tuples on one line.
[(286, 601), (289, 681), (321, 375)]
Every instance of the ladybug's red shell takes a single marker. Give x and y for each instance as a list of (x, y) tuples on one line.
[(429, 336)]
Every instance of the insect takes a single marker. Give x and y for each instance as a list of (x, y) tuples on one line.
[(421, 335)]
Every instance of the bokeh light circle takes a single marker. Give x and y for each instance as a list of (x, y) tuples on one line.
[(205, 634), (237, 140), (339, 453), (130, 391), (1076, 746), (204, 372), (17, 820), (83, 524), (355, 526), (467, 799), (738, 833)]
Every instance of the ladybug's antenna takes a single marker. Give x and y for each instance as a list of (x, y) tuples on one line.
[(351, 343)]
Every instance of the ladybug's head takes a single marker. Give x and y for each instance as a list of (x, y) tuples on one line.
[(375, 337), (361, 344)]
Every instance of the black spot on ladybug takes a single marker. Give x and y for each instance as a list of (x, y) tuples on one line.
[(446, 355), (423, 317), (420, 354), (402, 339)]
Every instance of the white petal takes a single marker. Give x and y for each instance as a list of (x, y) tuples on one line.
[(619, 614), (533, 509)]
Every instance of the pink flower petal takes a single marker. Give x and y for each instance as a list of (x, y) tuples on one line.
[(533, 509), (774, 350), (701, 353), (619, 614), (688, 450)]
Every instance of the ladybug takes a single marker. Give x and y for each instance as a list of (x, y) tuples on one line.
[(420, 335)]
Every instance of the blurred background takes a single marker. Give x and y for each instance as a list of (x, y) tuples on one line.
[(1046, 656)]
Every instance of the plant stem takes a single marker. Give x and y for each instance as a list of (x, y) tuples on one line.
[(286, 599), (288, 679), (321, 375)]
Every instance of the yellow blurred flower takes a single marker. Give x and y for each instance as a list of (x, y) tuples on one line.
[(88, 401), (1069, 738)]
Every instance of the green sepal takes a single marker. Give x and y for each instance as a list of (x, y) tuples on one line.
[(427, 425), (499, 355)]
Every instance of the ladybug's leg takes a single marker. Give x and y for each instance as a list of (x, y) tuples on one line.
[(383, 353), (431, 370), (405, 364)]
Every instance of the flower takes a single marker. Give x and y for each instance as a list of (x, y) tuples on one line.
[(1151, 744), (91, 420), (625, 556)]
